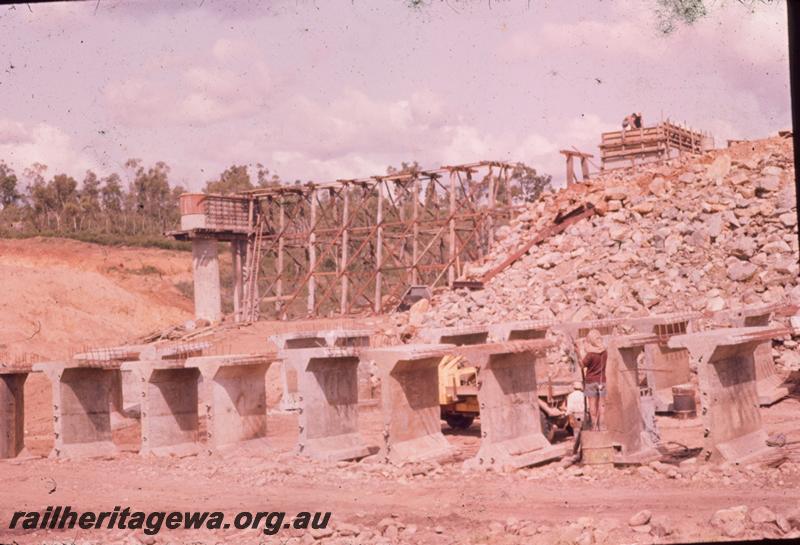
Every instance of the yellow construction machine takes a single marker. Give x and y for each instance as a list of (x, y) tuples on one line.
[(458, 397)]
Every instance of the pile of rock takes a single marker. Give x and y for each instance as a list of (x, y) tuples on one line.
[(703, 232)]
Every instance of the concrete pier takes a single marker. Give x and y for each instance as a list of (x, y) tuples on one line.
[(726, 373), (511, 428), (205, 268), (12, 409), (666, 367), (770, 384), (412, 427), (630, 413), (327, 391), (169, 397), (233, 394), (288, 342), (81, 407)]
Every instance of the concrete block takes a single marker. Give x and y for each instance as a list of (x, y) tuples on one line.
[(327, 387), (233, 394), (511, 428), (12, 410), (169, 394), (286, 342), (455, 335), (630, 408), (726, 373), (770, 384), (665, 367), (412, 427), (521, 330), (81, 407)]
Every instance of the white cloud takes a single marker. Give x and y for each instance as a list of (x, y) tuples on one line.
[(233, 85), (22, 145)]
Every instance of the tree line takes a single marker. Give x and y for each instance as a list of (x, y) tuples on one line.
[(141, 200)]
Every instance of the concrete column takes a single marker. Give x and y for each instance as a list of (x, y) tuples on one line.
[(234, 397), (12, 412), (769, 384), (169, 406), (511, 428), (327, 389), (288, 342), (629, 422), (665, 367), (726, 374), (412, 428), (205, 266), (81, 408)]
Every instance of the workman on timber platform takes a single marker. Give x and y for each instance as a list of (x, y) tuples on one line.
[(594, 367), (633, 121)]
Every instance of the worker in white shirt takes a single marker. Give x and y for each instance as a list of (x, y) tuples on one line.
[(576, 407)]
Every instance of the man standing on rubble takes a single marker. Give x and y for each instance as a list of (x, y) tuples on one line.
[(594, 367)]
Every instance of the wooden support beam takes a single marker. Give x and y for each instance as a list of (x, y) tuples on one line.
[(345, 242), (312, 253), (379, 249)]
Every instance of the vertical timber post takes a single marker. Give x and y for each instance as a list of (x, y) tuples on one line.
[(415, 233), (279, 263), (379, 248), (451, 271), (312, 252), (490, 216), (345, 242)]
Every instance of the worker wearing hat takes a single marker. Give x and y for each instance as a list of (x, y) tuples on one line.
[(594, 367)]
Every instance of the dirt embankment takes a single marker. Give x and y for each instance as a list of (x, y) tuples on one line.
[(60, 296)]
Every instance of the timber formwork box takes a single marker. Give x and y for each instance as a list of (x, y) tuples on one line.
[(81, 406), (770, 384), (288, 342), (666, 367), (630, 413), (656, 143), (327, 387), (726, 373), (412, 427), (455, 335), (12, 409), (233, 394), (511, 427)]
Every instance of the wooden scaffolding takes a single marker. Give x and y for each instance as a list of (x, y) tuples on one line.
[(354, 246), (657, 143)]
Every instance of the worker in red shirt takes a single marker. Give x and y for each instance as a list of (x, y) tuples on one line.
[(594, 367)]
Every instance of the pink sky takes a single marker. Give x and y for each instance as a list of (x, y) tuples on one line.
[(337, 89)]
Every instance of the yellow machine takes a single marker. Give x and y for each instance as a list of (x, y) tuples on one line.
[(458, 392), (458, 397)]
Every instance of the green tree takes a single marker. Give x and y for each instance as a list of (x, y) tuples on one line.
[(232, 180), (9, 194)]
